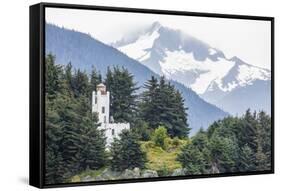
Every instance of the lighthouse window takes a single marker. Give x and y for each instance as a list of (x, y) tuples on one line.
[(103, 109), (112, 132), (96, 100), (104, 119)]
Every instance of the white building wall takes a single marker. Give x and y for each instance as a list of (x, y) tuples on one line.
[(98, 102), (112, 130)]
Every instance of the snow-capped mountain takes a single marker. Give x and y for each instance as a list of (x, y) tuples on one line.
[(190, 61)]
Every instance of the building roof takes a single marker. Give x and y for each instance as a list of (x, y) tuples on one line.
[(101, 85)]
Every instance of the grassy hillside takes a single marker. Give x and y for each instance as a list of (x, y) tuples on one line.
[(163, 160)]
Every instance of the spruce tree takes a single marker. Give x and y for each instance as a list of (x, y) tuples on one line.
[(246, 159), (95, 79), (263, 155), (248, 130), (52, 77), (68, 75), (224, 153), (80, 83), (73, 141), (192, 160), (126, 152), (163, 105), (149, 106), (54, 163), (93, 154), (122, 94)]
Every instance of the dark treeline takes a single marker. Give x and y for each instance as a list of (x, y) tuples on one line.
[(74, 143), (230, 145)]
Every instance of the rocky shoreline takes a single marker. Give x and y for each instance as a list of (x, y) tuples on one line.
[(108, 174)]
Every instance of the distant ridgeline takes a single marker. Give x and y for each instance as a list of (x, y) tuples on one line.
[(84, 52)]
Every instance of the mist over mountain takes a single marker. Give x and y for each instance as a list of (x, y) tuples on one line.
[(203, 68), (84, 51)]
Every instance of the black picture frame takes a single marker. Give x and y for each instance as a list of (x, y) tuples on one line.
[(37, 92)]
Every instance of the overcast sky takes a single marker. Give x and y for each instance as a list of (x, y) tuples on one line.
[(246, 39)]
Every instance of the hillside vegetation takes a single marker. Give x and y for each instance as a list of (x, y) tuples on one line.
[(158, 142)]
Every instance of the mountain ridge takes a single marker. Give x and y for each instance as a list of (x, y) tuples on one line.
[(84, 51), (194, 63)]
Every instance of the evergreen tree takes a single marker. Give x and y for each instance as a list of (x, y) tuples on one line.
[(141, 128), (52, 77), (68, 75), (54, 163), (93, 155), (224, 153), (126, 152), (73, 142), (95, 79), (122, 94), (263, 155), (109, 78), (163, 105), (80, 83), (192, 160), (248, 130), (200, 141), (247, 159), (149, 105), (196, 157), (180, 128)]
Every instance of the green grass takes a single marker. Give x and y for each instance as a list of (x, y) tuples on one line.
[(92, 173), (163, 160)]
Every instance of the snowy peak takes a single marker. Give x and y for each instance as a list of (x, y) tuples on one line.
[(140, 44), (203, 72), (134, 36), (145, 41), (239, 75), (151, 46), (155, 27), (167, 38), (190, 61)]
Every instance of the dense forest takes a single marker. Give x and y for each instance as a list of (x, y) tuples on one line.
[(159, 136), (230, 145)]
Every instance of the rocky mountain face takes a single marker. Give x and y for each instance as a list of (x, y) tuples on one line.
[(203, 68)]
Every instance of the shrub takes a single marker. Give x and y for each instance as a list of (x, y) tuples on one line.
[(159, 136), (176, 141), (168, 144)]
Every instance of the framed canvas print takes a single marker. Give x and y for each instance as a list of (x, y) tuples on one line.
[(128, 95)]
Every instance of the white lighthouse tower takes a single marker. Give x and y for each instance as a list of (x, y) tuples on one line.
[(100, 103), (101, 106)]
